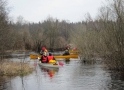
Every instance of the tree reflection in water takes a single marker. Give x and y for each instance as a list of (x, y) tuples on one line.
[(2, 83), (22, 80)]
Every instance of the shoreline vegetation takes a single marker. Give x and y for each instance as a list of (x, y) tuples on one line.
[(10, 68)]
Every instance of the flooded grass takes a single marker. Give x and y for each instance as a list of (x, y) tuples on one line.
[(9, 68)]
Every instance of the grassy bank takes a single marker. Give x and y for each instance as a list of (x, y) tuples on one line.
[(9, 68)]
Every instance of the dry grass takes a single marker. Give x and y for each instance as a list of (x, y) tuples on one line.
[(10, 68)]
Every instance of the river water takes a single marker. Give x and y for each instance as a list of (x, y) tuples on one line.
[(73, 75)]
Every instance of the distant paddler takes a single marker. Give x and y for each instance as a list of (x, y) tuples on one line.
[(66, 52)]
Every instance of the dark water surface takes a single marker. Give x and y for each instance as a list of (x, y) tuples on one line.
[(72, 76)]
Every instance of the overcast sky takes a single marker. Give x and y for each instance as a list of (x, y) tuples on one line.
[(39, 10)]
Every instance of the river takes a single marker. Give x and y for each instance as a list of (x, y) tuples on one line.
[(73, 75)]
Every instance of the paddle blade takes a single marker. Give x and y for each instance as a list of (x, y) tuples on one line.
[(61, 64), (35, 64)]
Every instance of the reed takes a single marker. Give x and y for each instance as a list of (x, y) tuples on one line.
[(9, 68)]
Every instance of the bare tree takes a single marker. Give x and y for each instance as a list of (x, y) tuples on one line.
[(4, 26)]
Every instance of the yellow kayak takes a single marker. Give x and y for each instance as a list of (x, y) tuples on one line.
[(67, 56), (74, 51), (33, 56)]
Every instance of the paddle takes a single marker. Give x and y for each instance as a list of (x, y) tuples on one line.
[(60, 63), (35, 64)]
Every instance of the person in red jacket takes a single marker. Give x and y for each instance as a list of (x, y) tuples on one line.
[(50, 57), (44, 58)]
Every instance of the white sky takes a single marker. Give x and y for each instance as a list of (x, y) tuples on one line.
[(39, 10)]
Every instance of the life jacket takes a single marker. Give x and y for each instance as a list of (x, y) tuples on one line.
[(50, 58), (44, 59)]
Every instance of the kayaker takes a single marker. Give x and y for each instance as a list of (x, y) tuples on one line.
[(43, 49), (68, 47), (50, 57), (44, 58), (66, 52)]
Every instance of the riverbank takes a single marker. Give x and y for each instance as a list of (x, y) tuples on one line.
[(10, 68)]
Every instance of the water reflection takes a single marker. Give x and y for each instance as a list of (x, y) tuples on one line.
[(117, 81), (72, 76), (23, 84), (51, 72), (67, 61), (2, 82)]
